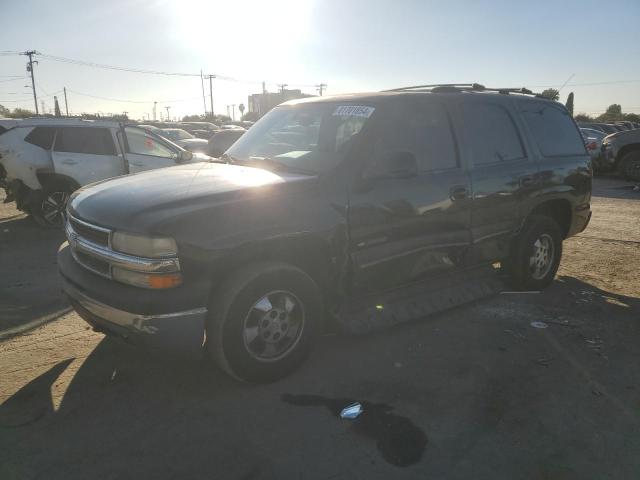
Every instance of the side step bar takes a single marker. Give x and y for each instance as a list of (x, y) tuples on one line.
[(376, 312)]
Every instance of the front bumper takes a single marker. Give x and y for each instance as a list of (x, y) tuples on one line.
[(168, 329)]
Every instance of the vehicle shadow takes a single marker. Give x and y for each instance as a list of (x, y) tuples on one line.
[(141, 414), (29, 287)]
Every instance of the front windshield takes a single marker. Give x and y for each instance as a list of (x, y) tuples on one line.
[(310, 136), (177, 134)]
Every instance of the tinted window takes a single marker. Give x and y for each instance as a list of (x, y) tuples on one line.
[(492, 134), (87, 140), (423, 130), (141, 143), (41, 137), (553, 129)]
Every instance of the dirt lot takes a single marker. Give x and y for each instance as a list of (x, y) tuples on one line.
[(476, 392)]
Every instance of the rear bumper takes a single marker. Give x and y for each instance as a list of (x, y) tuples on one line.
[(580, 219)]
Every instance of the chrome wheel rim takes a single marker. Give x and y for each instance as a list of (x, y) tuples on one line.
[(273, 326), (542, 257), (53, 207)]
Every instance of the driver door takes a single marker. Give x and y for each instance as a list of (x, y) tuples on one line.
[(146, 152)]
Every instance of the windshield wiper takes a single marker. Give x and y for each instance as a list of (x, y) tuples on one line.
[(273, 164)]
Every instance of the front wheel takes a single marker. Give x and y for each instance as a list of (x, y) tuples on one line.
[(264, 322), (50, 211), (535, 254)]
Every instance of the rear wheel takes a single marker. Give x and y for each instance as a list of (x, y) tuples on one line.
[(264, 322), (631, 166), (535, 254)]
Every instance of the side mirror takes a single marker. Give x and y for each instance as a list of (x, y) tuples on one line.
[(184, 156), (396, 164)]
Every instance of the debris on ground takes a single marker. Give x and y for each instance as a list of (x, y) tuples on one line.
[(352, 411), (538, 324)]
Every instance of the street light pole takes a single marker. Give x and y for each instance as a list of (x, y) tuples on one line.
[(168, 117)]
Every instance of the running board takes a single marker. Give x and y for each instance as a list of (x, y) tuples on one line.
[(376, 312)]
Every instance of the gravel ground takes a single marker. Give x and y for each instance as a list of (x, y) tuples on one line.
[(475, 392)]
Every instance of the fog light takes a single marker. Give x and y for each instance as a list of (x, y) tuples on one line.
[(147, 280)]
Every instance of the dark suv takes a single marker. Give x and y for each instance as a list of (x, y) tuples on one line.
[(345, 208)]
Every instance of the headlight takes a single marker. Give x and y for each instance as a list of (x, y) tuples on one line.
[(141, 246)]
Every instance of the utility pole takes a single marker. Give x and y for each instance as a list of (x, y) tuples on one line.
[(43, 110), (282, 87), (66, 105), (168, 117), (30, 54), (154, 110), (321, 88), (211, 77), (228, 112), (233, 110), (204, 99), (264, 88), (124, 114)]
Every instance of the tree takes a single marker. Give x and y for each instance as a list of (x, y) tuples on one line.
[(613, 114), (4, 111), (632, 117), (569, 104), (193, 118), (21, 113), (251, 116), (583, 117), (551, 94)]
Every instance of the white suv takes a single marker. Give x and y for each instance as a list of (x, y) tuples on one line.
[(42, 161)]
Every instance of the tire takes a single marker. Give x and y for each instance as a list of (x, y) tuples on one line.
[(631, 166), (535, 254), (50, 210), (261, 341)]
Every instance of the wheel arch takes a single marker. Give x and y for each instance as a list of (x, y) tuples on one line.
[(624, 150), (309, 253), (49, 178), (558, 209)]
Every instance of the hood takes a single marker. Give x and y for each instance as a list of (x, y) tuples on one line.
[(190, 143), (624, 136), (138, 202)]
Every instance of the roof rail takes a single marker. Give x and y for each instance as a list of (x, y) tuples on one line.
[(468, 86), (462, 87)]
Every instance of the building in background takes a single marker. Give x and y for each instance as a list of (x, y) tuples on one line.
[(261, 103)]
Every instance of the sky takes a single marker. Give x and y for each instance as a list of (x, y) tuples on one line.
[(350, 45)]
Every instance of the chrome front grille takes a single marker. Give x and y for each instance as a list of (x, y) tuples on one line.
[(97, 235), (91, 248)]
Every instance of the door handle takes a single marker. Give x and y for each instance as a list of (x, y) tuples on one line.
[(526, 181), (458, 192), (68, 161)]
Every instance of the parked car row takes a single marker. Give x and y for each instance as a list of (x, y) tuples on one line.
[(614, 147), (42, 161)]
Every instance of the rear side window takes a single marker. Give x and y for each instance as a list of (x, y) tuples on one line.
[(87, 140), (553, 130), (423, 130), (492, 134), (41, 137)]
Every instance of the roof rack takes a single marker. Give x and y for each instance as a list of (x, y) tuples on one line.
[(462, 87)]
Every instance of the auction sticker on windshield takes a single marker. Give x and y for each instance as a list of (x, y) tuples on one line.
[(353, 111)]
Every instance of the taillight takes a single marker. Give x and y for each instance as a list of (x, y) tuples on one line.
[(592, 146)]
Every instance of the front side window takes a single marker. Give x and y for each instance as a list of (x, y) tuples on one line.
[(41, 137), (141, 143), (491, 133), (313, 137), (553, 129), (422, 130)]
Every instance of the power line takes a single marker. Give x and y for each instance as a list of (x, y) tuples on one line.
[(132, 101)]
